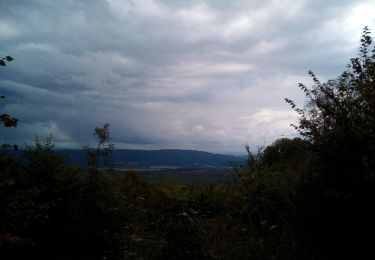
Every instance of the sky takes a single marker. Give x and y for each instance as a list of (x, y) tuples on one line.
[(202, 75)]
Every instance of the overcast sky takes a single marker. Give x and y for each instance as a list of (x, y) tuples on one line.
[(206, 75)]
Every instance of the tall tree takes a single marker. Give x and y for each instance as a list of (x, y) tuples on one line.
[(103, 149), (339, 121)]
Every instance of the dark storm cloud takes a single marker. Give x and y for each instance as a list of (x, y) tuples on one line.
[(207, 75)]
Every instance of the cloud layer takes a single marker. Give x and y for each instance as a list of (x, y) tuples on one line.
[(208, 75)]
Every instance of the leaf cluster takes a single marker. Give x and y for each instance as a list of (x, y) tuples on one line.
[(7, 120), (104, 148)]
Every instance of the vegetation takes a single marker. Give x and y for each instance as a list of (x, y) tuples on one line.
[(6, 119), (302, 198), (103, 150)]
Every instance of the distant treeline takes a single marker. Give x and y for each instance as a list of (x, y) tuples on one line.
[(146, 158)]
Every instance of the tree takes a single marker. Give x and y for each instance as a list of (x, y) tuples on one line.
[(343, 106), (104, 147), (6, 118), (339, 121)]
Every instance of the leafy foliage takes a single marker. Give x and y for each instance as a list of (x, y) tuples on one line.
[(339, 122), (7, 120), (104, 148)]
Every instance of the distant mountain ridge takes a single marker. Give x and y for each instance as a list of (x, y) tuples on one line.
[(164, 157)]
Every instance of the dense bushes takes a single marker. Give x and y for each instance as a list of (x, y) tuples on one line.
[(44, 207), (55, 211), (339, 123)]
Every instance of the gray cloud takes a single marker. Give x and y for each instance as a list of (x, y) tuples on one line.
[(208, 75)]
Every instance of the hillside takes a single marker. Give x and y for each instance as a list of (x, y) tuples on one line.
[(149, 158)]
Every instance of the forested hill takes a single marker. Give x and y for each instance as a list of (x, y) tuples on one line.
[(147, 158)]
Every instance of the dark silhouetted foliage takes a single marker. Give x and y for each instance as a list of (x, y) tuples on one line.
[(7, 120), (103, 150), (339, 121)]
